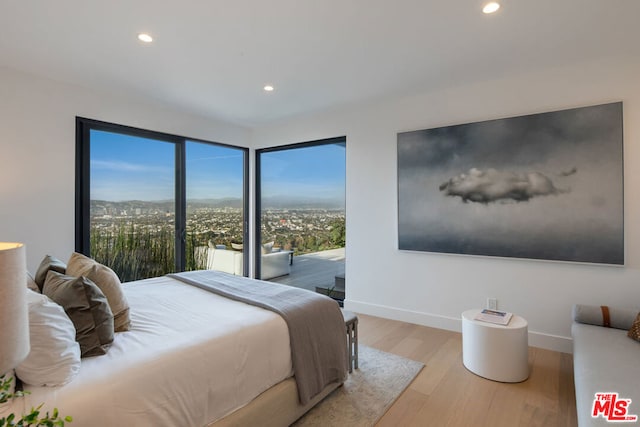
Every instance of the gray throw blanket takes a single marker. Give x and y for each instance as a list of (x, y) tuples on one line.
[(316, 327)]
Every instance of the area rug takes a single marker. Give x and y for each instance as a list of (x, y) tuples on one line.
[(368, 392)]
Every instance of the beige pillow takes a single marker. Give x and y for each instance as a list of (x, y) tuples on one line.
[(87, 307), (108, 282), (48, 263), (634, 331)]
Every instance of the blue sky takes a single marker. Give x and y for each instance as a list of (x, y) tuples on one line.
[(132, 168), (316, 172)]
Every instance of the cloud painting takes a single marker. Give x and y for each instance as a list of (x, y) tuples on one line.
[(544, 186)]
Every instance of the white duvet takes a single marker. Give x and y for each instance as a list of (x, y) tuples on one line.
[(190, 358)]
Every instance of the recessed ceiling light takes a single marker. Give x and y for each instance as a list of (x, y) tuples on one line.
[(144, 37), (268, 88), (491, 7)]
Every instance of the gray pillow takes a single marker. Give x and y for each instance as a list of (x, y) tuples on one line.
[(87, 307), (612, 317), (48, 263)]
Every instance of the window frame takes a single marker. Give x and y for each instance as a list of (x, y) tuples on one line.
[(83, 184)]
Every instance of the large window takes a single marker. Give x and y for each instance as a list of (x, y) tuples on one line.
[(149, 203), (301, 215)]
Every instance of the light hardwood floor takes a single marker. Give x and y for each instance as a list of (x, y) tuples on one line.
[(445, 393)]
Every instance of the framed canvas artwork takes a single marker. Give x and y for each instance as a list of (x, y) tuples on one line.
[(544, 186)]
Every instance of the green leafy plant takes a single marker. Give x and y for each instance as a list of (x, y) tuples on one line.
[(33, 418)]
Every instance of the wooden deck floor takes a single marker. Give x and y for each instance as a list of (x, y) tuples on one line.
[(316, 269)]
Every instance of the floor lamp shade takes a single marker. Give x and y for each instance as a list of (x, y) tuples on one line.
[(14, 317)]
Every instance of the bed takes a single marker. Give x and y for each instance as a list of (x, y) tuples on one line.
[(190, 358)]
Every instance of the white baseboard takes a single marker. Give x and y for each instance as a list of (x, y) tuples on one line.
[(536, 339), (551, 342)]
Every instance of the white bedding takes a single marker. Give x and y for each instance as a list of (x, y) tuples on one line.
[(190, 358)]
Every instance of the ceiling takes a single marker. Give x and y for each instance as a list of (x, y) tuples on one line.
[(213, 57)]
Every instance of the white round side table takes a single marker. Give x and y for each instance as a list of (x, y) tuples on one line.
[(495, 352)]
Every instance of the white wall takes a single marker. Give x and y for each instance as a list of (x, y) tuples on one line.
[(433, 289), (37, 153)]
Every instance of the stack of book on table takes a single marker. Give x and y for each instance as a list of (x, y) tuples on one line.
[(494, 316)]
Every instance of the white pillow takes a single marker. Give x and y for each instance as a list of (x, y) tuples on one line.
[(31, 283), (54, 358), (267, 248)]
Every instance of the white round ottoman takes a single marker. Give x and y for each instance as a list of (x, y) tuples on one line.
[(495, 352)]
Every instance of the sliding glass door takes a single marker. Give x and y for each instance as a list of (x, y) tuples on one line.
[(132, 204), (301, 213), (215, 201), (149, 203)]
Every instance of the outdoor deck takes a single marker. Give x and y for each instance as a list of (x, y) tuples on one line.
[(316, 269)]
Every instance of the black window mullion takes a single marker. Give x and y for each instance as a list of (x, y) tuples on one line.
[(82, 208), (181, 206), (257, 258), (245, 213)]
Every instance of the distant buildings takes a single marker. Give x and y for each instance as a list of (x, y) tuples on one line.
[(301, 229)]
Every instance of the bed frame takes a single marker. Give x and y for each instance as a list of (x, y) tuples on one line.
[(276, 407)]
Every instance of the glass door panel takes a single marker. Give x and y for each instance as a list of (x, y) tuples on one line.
[(132, 204), (302, 215), (215, 204)]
